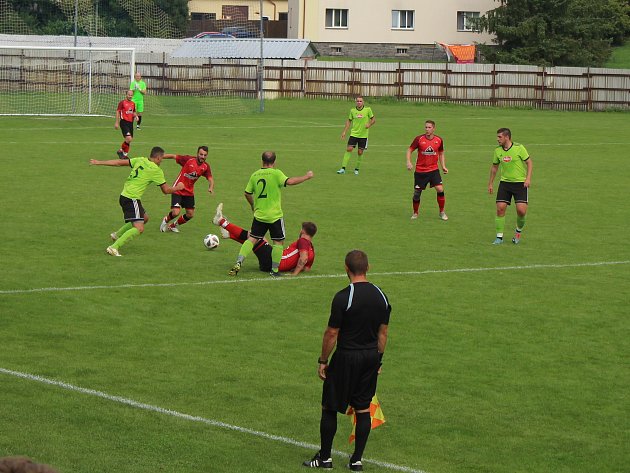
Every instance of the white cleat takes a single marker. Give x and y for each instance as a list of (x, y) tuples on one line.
[(341, 171), (443, 216), (218, 215), (164, 225), (414, 216), (113, 236), (173, 228), (112, 251)]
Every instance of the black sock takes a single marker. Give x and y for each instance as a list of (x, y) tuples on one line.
[(139, 119), (327, 431), (362, 432)]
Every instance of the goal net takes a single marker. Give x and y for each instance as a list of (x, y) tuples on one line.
[(63, 80)]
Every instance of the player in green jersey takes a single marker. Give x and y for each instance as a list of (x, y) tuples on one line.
[(143, 173), (516, 176), (361, 119), (139, 88), (263, 192)]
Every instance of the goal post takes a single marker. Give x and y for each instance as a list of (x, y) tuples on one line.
[(58, 81)]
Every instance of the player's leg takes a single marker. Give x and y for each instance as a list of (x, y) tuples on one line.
[(499, 221), (139, 120), (135, 215), (256, 233), (176, 208), (419, 186), (441, 198), (277, 233), (521, 212), (352, 142), (360, 150)]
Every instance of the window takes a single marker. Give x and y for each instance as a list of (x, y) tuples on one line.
[(402, 19), (336, 50), (283, 16), (336, 18), (402, 51), (463, 20), (203, 16)]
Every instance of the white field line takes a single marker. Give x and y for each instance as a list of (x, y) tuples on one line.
[(191, 418), (313, 276)]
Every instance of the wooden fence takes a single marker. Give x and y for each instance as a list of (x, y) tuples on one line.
[(559, 88)]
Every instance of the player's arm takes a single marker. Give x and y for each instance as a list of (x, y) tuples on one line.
[(301, 263), (110, 162), (442, 160), (250, 198), (346, 128), (211, 184), (530, 166), (382, 341), (169, 156), (370, 123), (328, 343), (292, 181), (117, 122), (166, 189), (409, 165), (493, 173)]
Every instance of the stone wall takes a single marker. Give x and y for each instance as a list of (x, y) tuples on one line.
[(425, 52)]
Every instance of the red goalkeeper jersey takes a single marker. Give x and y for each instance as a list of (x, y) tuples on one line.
[(191, 171), (291, 254), (428, 152)]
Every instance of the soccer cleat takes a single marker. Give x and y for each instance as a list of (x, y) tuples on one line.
[(318, 462), (218, 215), (113, 236), (414, 216), (356, 172), (235, 269), (173, 228), (224, 233), (112, 251), (517, 238), (137, 127), (164, 225), (443, 216), (497, 241), (275, 274), (341, 171), (121, 154), (355, 466)]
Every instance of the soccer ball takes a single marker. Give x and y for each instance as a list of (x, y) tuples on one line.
[(211, 241)]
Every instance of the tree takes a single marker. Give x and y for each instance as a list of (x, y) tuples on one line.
[(555, 32)]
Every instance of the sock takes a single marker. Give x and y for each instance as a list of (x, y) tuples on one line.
[(359, 159), (346, 158), (183, 219), (499, 225), (362, 432), (126, 237), (276, 256), (236, 233), (125, 147), (139, 120), (416, 206), (246, 248), (440, 200), (169, 217), (327, 431), (121, 231), (520, 223)]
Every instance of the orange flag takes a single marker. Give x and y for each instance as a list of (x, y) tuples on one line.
[(376, 415)]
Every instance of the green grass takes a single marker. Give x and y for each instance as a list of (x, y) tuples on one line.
[(501, 359), (620, 58)]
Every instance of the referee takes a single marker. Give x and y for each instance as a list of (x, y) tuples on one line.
[(358, 322)]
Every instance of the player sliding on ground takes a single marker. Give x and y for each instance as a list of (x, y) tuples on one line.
[(297, 257)]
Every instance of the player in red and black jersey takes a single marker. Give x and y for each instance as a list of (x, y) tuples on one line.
[(297, 257), (193, 167), (125, 116), (430, 151)]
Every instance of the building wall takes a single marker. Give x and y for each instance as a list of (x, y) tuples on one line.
[(370, 21), (271, 9)]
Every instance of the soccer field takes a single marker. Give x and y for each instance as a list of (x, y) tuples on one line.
[(500, 359)]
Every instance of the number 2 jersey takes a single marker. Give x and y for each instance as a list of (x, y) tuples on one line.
[(191, 171), (428, 152)]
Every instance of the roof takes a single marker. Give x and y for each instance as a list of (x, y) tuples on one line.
[(245, 48)]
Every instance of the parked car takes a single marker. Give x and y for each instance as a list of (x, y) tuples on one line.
[(240, 32), (212, 35)]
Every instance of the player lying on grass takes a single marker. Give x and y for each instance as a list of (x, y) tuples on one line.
[(297, 257)]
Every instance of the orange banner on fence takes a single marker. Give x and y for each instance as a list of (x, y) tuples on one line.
[(463, 53)]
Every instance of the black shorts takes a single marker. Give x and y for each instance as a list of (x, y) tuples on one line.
[(133, 211), (262, 250), (350, 380), (421, 179), (276, 229), (507, 190), (362, 142), (126, 128), (183, 201)]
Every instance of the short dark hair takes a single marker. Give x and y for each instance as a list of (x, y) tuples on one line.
[(269, 157), (156, 151), (357, 262), (205, 148), (429, 121), (310, 228), (23, 465), (504, 132)]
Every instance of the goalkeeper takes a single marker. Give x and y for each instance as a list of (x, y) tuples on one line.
[(139, 88)]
